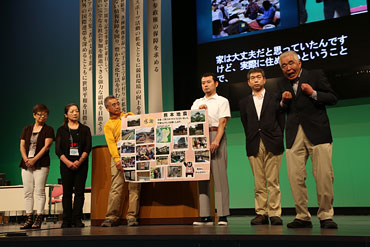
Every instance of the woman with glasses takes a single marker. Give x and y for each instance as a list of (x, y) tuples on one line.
[(36, 140), (73, 145)]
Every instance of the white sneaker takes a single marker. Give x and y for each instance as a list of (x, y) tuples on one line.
[(222, 221), (204, 221)]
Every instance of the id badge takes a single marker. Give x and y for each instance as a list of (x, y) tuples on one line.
[(73, 152), (31, 154)]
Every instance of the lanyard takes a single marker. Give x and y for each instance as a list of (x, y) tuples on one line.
[(73, 150), (70, 137), (71, 142)]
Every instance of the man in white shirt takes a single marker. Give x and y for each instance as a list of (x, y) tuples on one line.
[(218, 114)]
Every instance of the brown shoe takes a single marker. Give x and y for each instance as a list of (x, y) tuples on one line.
[(328, 224), (297, 223), (132, 222), (109, 223), (260, 220), (276, 221)]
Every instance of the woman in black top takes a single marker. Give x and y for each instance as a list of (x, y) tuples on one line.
[(73, 145), (36, 140)]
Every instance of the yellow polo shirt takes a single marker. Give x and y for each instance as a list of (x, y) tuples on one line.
[(112, 132)]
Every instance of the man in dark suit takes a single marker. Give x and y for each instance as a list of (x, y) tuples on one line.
[(304, 97), (263, 123)]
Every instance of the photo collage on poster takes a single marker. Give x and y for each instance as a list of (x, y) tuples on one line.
[(166, 146)]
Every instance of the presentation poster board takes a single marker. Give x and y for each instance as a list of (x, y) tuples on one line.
[(166, 146)]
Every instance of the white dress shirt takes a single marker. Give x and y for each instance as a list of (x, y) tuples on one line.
[(258, 101), (217, 106)]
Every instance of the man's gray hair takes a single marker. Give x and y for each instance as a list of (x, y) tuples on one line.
[(106, 100), (287, 53)]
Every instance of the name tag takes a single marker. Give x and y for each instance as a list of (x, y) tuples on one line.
[(73, 152), (31, 154)]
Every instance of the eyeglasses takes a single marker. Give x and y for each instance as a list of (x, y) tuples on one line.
[(42, 114), (290, 63)]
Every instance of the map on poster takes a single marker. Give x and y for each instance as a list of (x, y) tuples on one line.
[(166, 146)]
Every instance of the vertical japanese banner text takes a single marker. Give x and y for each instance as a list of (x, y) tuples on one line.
[(137, 94), (86, 62), (155, 103), (119, 52), (102, 63)]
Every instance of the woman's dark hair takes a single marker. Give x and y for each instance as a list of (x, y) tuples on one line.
[(66, 109), (40, 108)]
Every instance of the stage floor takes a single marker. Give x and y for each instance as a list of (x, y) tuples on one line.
[(353, 231)]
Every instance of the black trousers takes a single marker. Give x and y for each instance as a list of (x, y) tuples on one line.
[(302, 11), (73, 181), (340, 6)]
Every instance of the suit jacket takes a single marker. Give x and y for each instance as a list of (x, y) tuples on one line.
[(306, 111), (269, 128)]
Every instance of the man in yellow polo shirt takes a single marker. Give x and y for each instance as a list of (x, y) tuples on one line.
[(112, 131)]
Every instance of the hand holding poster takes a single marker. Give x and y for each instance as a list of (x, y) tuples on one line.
[(166, 146)]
